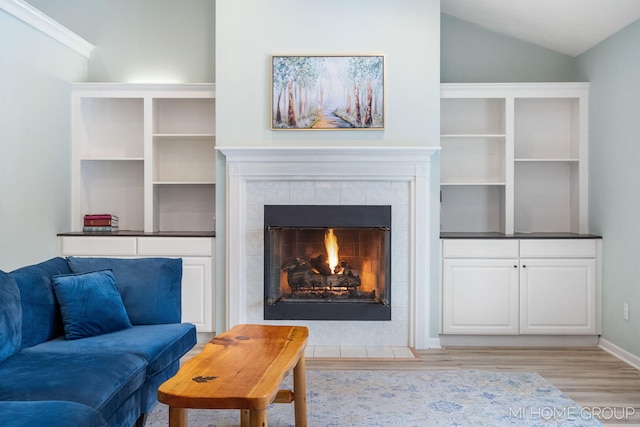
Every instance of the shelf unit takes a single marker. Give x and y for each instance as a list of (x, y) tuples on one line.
[(146, 153), (514, 157)]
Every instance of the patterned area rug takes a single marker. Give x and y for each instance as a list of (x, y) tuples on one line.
[(414, 398)]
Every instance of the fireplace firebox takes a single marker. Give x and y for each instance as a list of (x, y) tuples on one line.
[(326, 262)]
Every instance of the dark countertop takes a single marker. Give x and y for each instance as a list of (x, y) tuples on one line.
[(494, 235), (138, 233)]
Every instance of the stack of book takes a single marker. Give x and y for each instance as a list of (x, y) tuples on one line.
[(100, 222)]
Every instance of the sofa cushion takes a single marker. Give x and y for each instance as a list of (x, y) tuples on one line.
[(150, 287), (50, 413), (90, 304), (159, 345), (10, 316), (41, 319), (102, 381)]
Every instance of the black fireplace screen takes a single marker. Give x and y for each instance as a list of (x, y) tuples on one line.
[(327, 262)]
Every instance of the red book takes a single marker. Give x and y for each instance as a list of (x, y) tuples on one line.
[(100, 216)]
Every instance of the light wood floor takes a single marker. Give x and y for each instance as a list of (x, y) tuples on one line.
[(590, 376)]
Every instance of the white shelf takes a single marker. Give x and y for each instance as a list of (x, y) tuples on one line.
[(184, 135), (471, 184), (547, 160), (472, 135), (112, 159)]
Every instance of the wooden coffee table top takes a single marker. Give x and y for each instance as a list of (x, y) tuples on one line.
[(242, 368)]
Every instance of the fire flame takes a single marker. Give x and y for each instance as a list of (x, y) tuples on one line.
[(331, 243)]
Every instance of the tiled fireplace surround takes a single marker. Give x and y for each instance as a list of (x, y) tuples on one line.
[(395, 176)]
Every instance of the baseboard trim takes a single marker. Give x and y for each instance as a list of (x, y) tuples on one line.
[(519, 340), (620, 353), (204, 337)]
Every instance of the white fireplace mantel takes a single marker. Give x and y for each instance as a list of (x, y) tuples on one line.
[(373, 165)]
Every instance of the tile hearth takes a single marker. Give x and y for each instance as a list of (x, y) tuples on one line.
[(366, 352)]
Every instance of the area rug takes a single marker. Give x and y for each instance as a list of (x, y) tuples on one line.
[(367, 398)]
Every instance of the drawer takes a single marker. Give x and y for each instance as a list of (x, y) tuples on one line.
[(98, 246), (175, 246), (558, 248), (480, 248)]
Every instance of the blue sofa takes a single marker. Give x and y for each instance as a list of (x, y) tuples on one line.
[(87, 341)]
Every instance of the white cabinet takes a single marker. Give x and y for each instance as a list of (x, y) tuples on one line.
[(145, 153), (514, 157), (521, 286), (480, 296), (559, 286), (197, 255)]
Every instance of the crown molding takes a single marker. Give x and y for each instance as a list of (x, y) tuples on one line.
[(41, 22)]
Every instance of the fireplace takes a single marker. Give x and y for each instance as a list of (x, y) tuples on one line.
[(333, 175), (326, 262)]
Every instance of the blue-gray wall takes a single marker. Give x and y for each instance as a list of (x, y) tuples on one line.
[(613, 68), (35, 135), (472, 54), (153, 41)]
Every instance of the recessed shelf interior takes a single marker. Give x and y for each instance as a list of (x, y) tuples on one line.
[(184, 116), (113, 187), (547, 128), (472, 160), (184, 159), (546, 197), (111, 128), (472, 116), (479, 208), (184, 207)]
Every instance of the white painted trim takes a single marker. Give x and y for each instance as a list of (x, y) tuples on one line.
[(140, 90), (620, 353), (434, 343), (41, 22), (410, 164), (519, 340)]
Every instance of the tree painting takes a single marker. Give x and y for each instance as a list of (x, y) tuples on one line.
[(328, 92)]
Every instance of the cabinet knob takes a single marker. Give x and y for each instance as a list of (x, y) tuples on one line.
[(515, 266), (524, 266)]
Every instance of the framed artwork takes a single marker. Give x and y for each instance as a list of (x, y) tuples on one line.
[(332, 92)]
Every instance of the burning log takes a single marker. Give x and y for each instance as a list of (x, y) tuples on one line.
[(305, 273), (320, 264)]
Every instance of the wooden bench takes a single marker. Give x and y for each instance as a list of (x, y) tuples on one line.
[(242, 368)]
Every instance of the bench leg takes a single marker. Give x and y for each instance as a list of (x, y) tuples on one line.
[(244, 418), (258, 417), (177, 417), (300, 392)]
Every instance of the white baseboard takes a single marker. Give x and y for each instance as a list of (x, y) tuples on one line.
[(204, 337), (434, 343), (519, 340), (620, 353)]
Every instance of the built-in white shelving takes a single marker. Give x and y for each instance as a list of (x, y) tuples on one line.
[(514, 157), (146, 153)]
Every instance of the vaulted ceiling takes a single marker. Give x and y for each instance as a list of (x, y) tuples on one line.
[(566, 26)]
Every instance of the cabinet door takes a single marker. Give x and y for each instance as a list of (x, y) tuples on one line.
[(558, 296), (197, 298), (480, 296)]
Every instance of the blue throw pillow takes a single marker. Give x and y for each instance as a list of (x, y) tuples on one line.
[(90, 304), (150, 287), (10, 316)]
